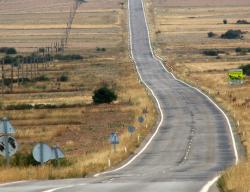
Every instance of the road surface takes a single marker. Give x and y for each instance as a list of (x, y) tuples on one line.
[(192, 145)]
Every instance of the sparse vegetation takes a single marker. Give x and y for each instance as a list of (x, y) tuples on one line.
[(211, 34)]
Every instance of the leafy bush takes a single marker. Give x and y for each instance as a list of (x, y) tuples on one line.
[(27, 59), (11, 51), (21, 159), (225, 21), (63, 78), (98, 49), (211, 34), (42, 78), (246, 69), (211, 52), (9, 60), (232, 34), (242, 22), (104, 95), (68, 57), (19, 107), (3, 49), (242, 50), (8, 50)]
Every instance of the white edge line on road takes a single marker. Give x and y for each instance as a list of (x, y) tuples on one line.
[(12, 183), (207, 186), (58, 188), (209, 183), (158, 103), (64, 187)]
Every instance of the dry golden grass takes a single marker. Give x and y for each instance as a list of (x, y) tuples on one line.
[(180, 35), (81, 131)]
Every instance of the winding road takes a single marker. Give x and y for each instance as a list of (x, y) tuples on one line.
[(191, 145)]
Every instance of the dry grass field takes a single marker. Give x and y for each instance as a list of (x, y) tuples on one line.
[(179, 30), (80, 128)]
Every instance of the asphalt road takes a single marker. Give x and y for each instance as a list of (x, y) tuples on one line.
[(192, 145)]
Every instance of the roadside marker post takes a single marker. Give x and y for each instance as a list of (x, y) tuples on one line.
[(131, 129), (109, 162), (141, 120)]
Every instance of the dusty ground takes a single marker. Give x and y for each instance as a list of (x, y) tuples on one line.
[(179, 30), (82, 129)]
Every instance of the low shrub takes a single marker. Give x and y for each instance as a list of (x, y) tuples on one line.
[(225, 21), (212, 52), (19, 107), (8, 50), (246, 69), (68, 57), (242, 50), (27, 59), (98, 49), (23, 160), (42, 78), (240, 22), (104, 95), (40, 106), (63, 78), (211, 34), (232, 34)]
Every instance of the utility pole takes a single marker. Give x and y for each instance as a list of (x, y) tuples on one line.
[(18, 72), (22, 69), (26, 67), (3, 78), (44, 61), (12, 77), (72, 14), (31, 68)]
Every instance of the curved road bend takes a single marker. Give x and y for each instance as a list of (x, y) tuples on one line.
[(192, 145)]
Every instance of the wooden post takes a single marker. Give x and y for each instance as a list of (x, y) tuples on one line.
[(26, 68)]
